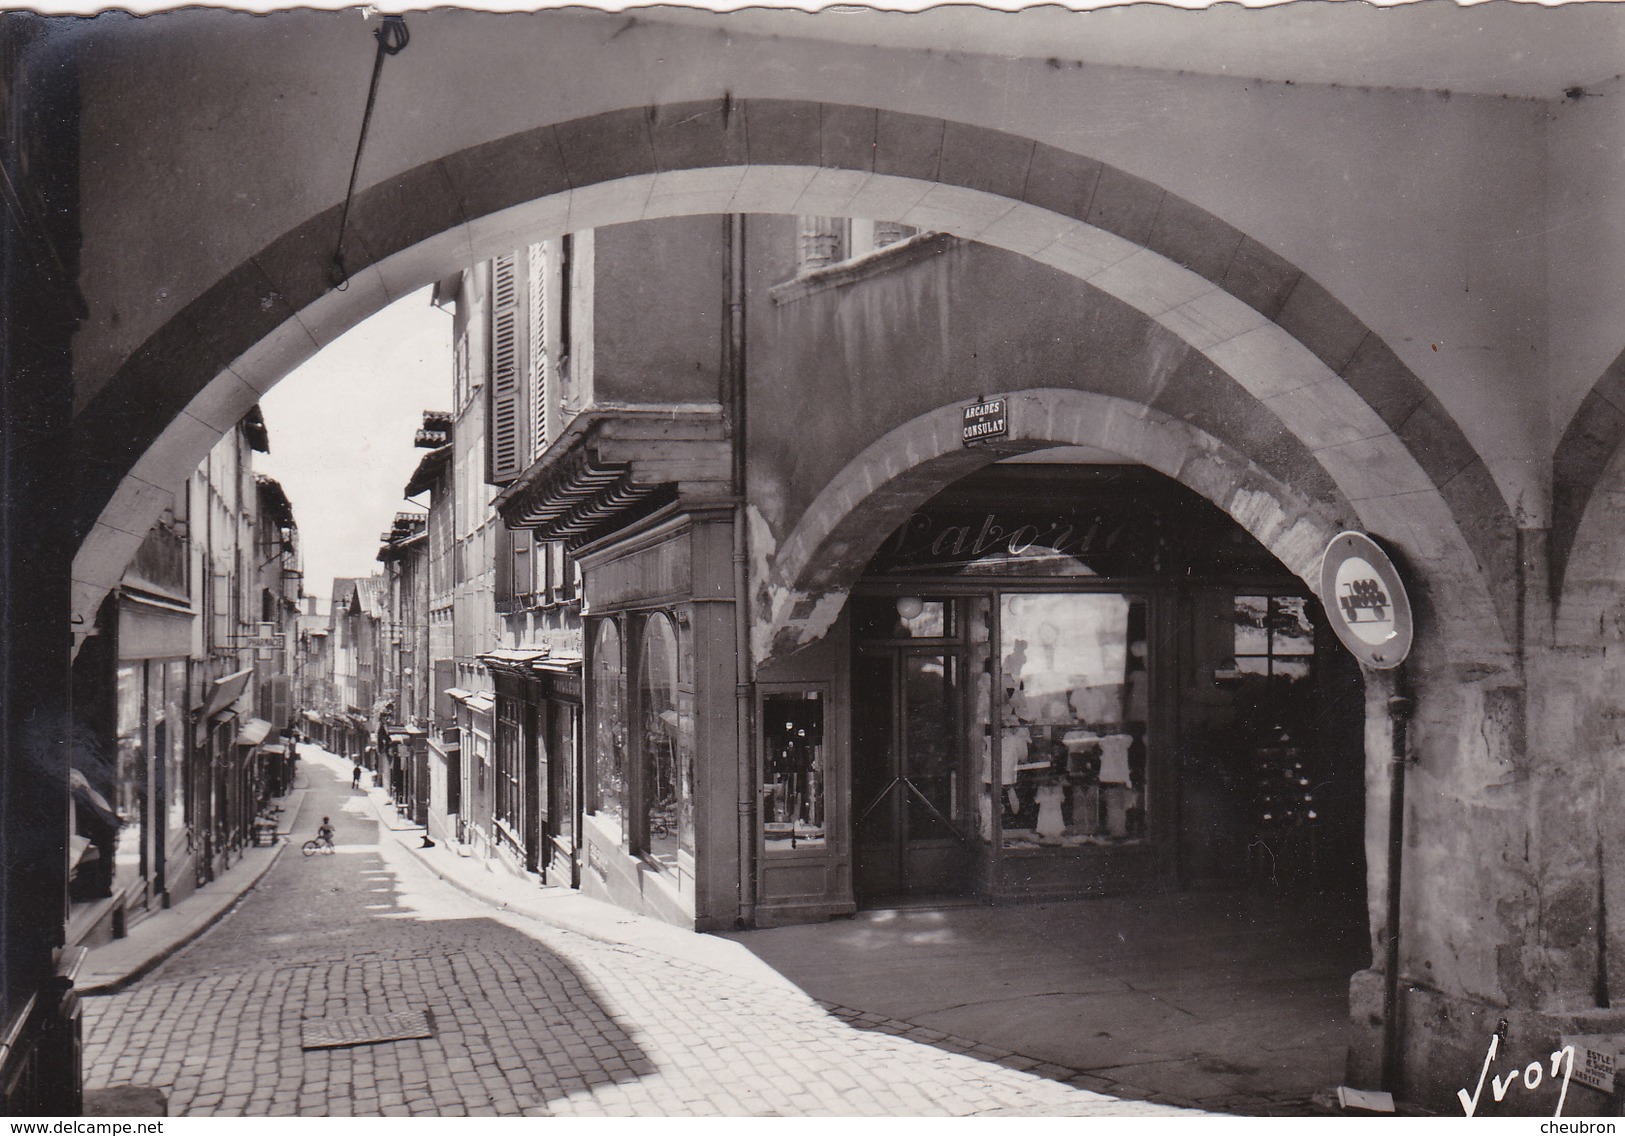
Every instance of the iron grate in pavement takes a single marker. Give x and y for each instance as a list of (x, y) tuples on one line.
[(366, 1029)]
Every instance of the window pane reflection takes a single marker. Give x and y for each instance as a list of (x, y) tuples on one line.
[(793, 770), (609, 726), (902, 617), (1072, 713), (663, 733)]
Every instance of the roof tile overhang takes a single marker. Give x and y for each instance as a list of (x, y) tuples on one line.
[(610, 461), (428, 471)]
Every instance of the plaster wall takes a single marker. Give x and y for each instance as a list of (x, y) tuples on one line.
[(1584, 225), (668, 275), (208, 134)]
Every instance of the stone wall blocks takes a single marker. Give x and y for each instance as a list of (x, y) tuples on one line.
[(1478, 508), (1025, 230), (886, 198), (1084, 252), (1436, 441), (202, 340), (403, 211), (962, 212), (1611, 384), (136, 504), (1328, 414), (506, 230), (610, 203), (339, 309), (507, 172), (987, 160), (222, 404), (1124, 205), (418, 265), (697, 135), (908, 145), (274, 356), (1379, 376), (1266, 359), (1319, 321), (689, 193), (1368, 472), (1259, 278), (1215, 318), (828, 192), (847, 136), (1061, 181), (173, 458), (110, 551), (1193, 238), (604, 147), (299, 264), (1207, 473), (1150, 283)]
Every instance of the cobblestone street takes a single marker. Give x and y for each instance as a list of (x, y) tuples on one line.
[(525, 1018)]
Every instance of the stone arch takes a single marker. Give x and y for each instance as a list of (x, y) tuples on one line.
[(804, 584), (1588, 527), (1387, 443)]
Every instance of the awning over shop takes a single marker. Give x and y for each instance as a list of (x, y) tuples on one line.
[(506, 657), (558, 664), (481, 702), (224, 691), (87, 798), (312, 716), (253, 732)]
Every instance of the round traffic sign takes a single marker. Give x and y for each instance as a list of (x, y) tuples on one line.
[(1365, 600)]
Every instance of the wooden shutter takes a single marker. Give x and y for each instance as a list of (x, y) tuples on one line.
[(538, 349), (508, 425)]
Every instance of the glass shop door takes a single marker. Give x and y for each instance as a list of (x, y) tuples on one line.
[(908, 775)]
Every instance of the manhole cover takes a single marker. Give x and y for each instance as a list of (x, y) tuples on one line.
[(368, 1029)]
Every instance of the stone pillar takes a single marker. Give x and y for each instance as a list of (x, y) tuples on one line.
[(39, 310)]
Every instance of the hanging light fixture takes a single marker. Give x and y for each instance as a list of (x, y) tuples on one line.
[(910, 607)]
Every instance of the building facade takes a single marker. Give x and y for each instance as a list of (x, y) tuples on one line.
[(183, 700), (1324, 271)]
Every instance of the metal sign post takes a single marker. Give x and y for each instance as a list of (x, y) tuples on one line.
[(1366, 604)]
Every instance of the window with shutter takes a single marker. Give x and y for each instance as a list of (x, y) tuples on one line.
[(539, 359), (508, 421)]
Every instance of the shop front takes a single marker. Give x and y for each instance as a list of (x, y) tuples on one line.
[(537, 760), (1062, 681), (658, 825)]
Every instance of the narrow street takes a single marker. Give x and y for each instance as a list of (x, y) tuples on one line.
[(525, 1018)]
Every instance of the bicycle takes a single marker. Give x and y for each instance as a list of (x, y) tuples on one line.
[(318, 844)]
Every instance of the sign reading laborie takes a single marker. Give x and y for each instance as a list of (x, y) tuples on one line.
[(1365, 600), (984, 420)]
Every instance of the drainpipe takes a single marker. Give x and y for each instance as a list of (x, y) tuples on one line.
[(1400, 709), (744, 709)]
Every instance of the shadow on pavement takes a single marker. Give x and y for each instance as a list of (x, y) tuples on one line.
[(218, 1027), (1230, 1001)]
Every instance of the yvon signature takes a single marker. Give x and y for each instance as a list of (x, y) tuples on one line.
[(1532, 1075)]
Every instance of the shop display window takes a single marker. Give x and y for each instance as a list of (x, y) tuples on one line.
[(1274, 637), (903, 617), (608, 727), (171, 744), (1072, 712), (1274, 762), (793, 770), (130, 787), (666, 741)]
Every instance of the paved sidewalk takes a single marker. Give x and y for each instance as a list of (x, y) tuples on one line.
[(112, 966), (618, 1016)]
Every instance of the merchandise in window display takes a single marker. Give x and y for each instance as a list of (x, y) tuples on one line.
[(1072, 721), (793, 773)]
